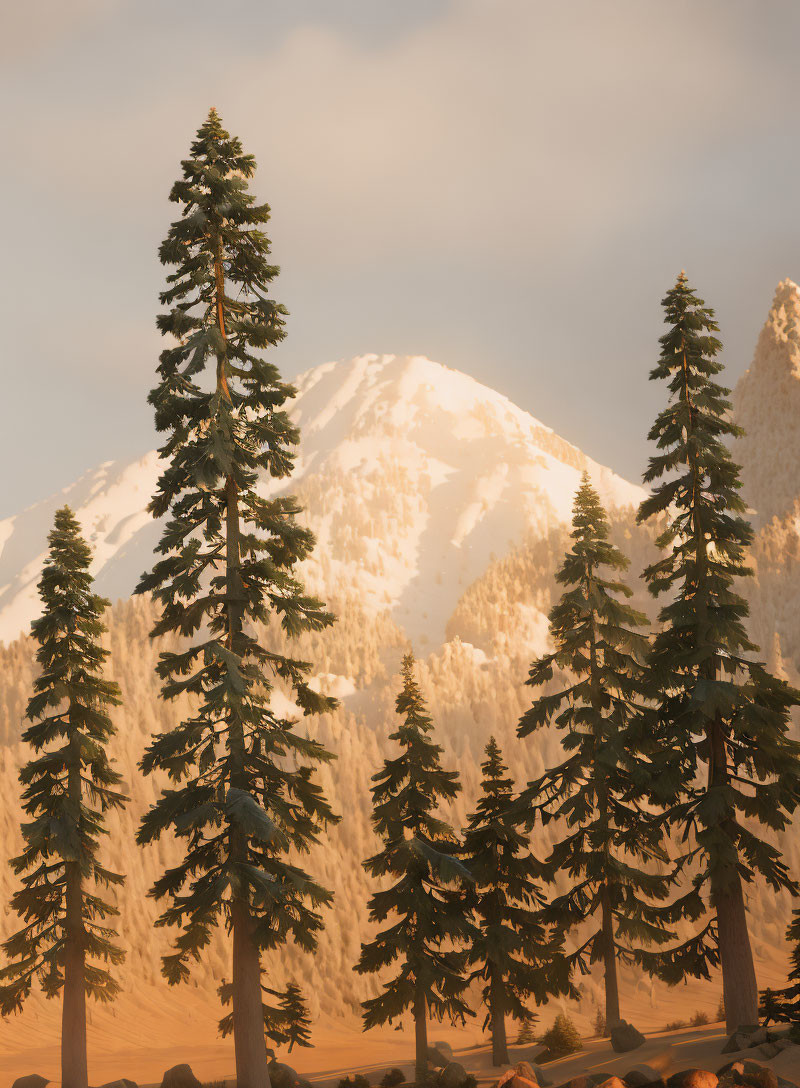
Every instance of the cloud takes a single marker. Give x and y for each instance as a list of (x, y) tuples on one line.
[(27, 28)]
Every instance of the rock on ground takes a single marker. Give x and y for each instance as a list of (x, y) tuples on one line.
[(454, 1075), (33, 1080), (180, 1076), (625, 1037), (282, 1076)]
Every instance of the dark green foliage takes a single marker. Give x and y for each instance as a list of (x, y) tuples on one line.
[(296, 1020), (526, 1033), (785, 1004), (358, 1080), (610, 842), (274, 1022), (67, 787), (419, 857), (243, 798), (561, 1039), (721, 719), (513, 953)]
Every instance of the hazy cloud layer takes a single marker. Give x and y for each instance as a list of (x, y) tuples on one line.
[(507, 186)]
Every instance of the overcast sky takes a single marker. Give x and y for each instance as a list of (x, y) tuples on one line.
[(507, 186)]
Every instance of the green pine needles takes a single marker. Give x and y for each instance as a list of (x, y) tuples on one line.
[(612, 849), (244, 799), (423, 900), (512, 952), (722, 720), (65, 941)]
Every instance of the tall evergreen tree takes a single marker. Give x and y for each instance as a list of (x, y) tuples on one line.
[(722, 719), (512, 952), (244, 802), (424, 902), (65, 941), (612, 847)]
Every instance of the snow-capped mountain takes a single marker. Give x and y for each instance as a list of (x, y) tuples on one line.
[(412, 476)]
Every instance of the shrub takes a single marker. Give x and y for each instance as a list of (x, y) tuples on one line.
[(700, 1019), (562, 1038), (721, 1014), (358, 1081), (599, 1022), (392, 1077), (676, 1025)]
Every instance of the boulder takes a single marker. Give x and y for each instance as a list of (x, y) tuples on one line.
[(33, 1080), (643, 1075), (693, 1078), (180, 1076), (769, 1050), (585, 1080), (123, 1082), (611, 1082), (736, 1042), (437, 1058), (454, 1075), (625, 1037), (282, 1076), (749, 1073), (539, 1074), (443, 1048)]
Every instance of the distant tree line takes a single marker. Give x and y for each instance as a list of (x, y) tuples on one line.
[(676, 762)]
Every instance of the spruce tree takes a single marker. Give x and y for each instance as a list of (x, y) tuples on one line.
[(424, 900), (611, 848), (295, 1016), (65, 942), (785, 1004), (512, 952), (244, 800), (722, 719)]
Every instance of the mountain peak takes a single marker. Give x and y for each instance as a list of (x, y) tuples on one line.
[(411, 474), (767, 406)]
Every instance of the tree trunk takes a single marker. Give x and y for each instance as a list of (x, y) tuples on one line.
[(609, 962), (74, 1073), (739, 985), (499, 1040), (421, 1037), (248, 1015)]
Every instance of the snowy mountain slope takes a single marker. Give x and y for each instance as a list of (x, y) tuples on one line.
[(412, 475)]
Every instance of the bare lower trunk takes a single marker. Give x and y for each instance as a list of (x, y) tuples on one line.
[(739, 986), (248, 1016), (609, 963), (499, 1040), (74, 1072), (421, 1037)]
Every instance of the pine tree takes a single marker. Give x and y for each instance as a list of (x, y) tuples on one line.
[(512, 952), (295, 1016), (722, 719), (244, 800), (65, 941), (424, 901), (612, 848), (785, 1004)]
